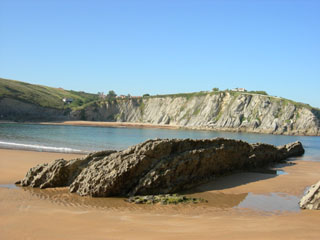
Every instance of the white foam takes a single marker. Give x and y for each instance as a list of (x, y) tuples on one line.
[(39, 148)]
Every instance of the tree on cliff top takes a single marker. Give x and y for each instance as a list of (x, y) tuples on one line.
[(111, 94)]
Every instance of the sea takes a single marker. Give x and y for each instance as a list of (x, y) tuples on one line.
[(85, 139)]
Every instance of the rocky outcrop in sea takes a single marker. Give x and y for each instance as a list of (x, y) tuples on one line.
[(159, 166)]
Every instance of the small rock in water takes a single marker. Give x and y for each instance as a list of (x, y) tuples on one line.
[(164, 199)]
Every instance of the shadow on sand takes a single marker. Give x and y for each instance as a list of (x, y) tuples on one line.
[(272, 202), (241, 178)]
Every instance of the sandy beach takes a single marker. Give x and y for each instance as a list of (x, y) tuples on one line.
[(112, 124), (241, 206), (162, 126)]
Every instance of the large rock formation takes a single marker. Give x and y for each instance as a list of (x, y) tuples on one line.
[(60, 173), (156, 166), (217, 110), (227, 111), (311, 200)]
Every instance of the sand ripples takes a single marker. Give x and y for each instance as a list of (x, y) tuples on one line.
[(62, 197)]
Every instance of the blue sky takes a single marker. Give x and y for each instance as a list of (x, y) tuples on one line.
[(166, 46)]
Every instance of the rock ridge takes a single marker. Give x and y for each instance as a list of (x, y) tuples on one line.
[(159, 166)]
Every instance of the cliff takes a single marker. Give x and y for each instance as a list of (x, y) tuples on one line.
[(221, 111)]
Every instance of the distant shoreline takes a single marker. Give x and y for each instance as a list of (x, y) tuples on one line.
[(111, 124), (103, 124), (157, 126)]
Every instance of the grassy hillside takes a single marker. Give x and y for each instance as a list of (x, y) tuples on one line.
[(52, 97), (42, 95)]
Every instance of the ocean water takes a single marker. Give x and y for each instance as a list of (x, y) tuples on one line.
[(81, 139)]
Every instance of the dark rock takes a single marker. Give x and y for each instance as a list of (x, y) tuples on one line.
[(161, 166), (164, 199), (263, 154), (158, 166), (291, 150)]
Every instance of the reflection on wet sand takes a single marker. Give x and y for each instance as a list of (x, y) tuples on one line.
[(213, 192), (10, 186), (62, 196), (273, 202)]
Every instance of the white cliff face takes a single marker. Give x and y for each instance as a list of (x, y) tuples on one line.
[(216, 111)]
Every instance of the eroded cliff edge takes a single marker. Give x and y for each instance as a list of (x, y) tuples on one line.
[(227, 111), (220, 111), (156, 166)]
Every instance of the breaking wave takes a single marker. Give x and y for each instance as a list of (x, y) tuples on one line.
[(39, 148)]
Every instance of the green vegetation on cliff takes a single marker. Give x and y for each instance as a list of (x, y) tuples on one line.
[(42, 95), (236, 94), (218, 110)]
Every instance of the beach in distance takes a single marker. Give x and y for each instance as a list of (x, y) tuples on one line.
[(159, 120), (240, 206), (112, 124)]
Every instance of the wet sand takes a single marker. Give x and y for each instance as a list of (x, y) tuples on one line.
[(241, 206)]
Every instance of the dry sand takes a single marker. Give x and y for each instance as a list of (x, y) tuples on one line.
[(27, 213)]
